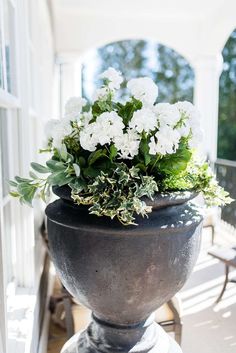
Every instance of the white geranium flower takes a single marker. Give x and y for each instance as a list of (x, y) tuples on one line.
[(184, 130), (107, 126), (113, 77), (167, 114), (143, 89), (186, 108), (166, 141), (74, 107), (84, 119), (59, 129), (128, 144), (191, 123), (50, 126), (196, 138), (143, 120), (88, 138), (101, 94)]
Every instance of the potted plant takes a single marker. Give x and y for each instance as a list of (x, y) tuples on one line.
[(124, 234)]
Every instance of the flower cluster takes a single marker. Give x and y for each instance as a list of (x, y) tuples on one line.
[(103, 141), (164, 124)]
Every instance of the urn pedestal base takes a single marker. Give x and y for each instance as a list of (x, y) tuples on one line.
[(101, 337), (123, 274)]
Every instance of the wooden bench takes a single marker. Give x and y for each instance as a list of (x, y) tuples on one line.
[(228, 257)]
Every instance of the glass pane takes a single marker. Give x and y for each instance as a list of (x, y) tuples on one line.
[(10, 54), (30, 19), (8, 229), (1, 60), (4, 150), (32, 79)]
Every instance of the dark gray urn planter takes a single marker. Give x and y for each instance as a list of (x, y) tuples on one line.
[(123, 274)]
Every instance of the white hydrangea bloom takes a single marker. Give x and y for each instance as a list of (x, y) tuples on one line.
[(101, 94), (143, 89), (166, 141), (143, 120), (113, 77), (167, 114), (127, 144), (107, 126), (74, 107)]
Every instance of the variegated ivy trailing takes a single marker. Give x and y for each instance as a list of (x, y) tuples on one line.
[(112, 154)]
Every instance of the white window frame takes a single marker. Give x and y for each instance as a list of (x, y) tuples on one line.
[(29, 250)]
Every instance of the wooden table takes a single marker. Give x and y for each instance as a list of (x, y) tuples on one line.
[(228, 257)]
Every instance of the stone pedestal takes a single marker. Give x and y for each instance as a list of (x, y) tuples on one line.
[(101, 337)]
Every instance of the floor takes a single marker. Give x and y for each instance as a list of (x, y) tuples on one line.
[(207, 327)]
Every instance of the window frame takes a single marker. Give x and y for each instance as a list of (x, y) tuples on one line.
[(29, 250)]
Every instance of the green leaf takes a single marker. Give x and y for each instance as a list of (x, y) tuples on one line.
[(32, 175), (144, 148), (59, 178), (175, 163), (28, 197), (82, 161), (63, 152), (77, 169), (141, 166), (27, 192), (12, 183), (23, 188), (22, 180), (55, 165), (94, 156), (113, 152), (14, 193), (39, 168), (91, 172), (77, 185), (126, 111)]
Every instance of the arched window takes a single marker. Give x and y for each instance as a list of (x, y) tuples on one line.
[(171, 71), (227, 102)]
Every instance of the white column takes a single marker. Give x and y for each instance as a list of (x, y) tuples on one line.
[(206, 98)]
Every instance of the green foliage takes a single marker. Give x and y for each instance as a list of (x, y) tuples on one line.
[(198, 177), (126, 111), (227, 102), (174, 164), (118, 193)]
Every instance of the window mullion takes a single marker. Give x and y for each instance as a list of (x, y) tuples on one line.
[(2, 23), (3, 270)]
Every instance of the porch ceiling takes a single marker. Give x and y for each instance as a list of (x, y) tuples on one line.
[(191, 27)]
